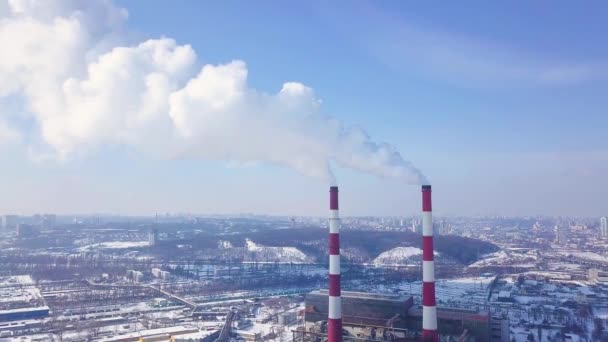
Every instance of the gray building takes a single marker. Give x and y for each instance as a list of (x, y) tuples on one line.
[(370, 315), (153, 237), (10, 221)]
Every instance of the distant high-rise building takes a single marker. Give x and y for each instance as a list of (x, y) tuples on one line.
[(10, 221), (560, 234), (153, 237), (604, 227), (27, 230), (444, 228), (48, 220)]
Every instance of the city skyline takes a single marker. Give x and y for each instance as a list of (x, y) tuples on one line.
[(502, 120)]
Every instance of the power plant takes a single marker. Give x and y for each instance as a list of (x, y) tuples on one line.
[(361, 315), (334, 307), (429, 306)]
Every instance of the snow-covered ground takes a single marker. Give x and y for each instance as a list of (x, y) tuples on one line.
[(399, 256), (470, 290), (542, 307), (585, 256), (114, 245), (283, 254), (18, 292), (514, 257)]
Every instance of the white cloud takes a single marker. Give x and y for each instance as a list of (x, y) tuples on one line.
[(84, 92)]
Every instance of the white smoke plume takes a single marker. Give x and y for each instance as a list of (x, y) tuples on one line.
[(84, 85)]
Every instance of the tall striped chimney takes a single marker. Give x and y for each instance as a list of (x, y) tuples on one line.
[(334, 317), (429, 308)]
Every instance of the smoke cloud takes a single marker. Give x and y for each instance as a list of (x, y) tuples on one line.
[(85, 86)]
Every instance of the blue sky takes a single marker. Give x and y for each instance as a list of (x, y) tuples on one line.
[(501, 105)]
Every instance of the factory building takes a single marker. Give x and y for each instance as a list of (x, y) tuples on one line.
[(468, 324), (177, 334), (359, 308), (367, 314), (24, 313)]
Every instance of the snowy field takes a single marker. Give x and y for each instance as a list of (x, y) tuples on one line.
[(284, 254), (114, 245), (543, 308), (449, 292), (514, 257), (18, 292)]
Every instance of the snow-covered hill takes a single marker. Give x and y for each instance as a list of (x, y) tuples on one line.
[(279, 254), (399, 256)]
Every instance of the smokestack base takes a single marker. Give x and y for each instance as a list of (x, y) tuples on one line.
[(430, 335)]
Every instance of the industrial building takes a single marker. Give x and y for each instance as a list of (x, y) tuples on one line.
[(177, 333), (24, 313), (359, 308), (366, 314), (467, 324), (20, 299)]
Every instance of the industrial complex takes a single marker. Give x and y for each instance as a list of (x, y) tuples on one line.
[(137, 283)]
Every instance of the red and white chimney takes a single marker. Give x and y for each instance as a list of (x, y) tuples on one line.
[(334, 317), (429, 308)]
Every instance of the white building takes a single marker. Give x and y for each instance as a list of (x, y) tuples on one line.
[(153, 237), (48, 220), (561, 234), (604, 227), (135, 276), (597, 275), (158, 273), (444, 228)]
